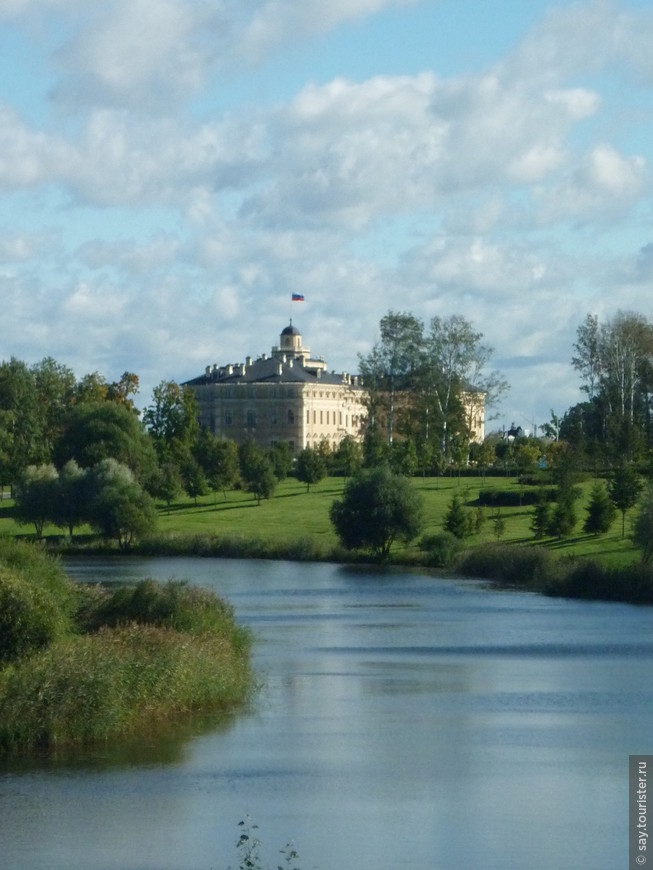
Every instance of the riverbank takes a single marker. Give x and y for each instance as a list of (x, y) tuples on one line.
[(529, 567), (82, 664), (295, 526)]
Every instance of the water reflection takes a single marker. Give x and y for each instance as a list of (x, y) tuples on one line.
[(168, 744), (404, 721)]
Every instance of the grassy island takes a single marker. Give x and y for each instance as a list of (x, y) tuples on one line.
[(81, 664)]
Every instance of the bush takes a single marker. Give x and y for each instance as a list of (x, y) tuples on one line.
[(523, 567), (441, 549), (30, 616), (171, 605), (593, 581), (36, 600), (514, 498)]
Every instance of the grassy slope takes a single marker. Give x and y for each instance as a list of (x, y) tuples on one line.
[(293, 514)]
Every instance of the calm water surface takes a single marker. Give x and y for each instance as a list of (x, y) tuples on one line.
[(405, 721)]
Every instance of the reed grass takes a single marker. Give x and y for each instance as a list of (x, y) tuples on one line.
[(115, 683), (538, 570), (82, 664)]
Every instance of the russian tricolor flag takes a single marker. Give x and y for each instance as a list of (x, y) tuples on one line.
[(297, 297)]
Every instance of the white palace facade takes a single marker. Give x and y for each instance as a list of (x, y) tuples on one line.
[(286, 396)]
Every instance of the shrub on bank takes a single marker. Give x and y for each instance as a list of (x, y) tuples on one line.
[(592, 581), (174, 605), (30, 617), (303, 549), (523, 567), (36, 600), (440, 550)]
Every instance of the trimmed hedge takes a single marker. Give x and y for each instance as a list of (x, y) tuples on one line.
[(512, 498)]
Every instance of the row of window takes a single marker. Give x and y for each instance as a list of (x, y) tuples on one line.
[(251, 419), (250, 391), (273, 418), (330, 418)]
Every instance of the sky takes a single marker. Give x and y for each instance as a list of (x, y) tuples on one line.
[(171, 171)]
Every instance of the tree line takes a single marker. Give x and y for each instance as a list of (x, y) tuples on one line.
[(78, 452)]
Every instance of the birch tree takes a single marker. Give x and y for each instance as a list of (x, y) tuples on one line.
[(392, 364)]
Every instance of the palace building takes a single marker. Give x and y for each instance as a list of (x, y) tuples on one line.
[(286, 396)]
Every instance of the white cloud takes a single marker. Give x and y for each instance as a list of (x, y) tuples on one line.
[(275, 22), (601, 185)]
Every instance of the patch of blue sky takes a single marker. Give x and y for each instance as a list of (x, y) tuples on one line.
[(624, 115), (388, 239), (49, 214), (24, 76)]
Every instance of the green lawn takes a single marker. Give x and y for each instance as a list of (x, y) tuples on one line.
[(294, 514)]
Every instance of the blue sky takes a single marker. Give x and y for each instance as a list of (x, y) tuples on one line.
[(172, 170)]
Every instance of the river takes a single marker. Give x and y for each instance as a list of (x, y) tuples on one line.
[(404, 721)]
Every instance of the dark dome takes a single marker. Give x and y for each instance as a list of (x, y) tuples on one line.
[(291, 330)]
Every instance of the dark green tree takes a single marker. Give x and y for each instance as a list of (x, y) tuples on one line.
[(21, 422), (376, 451), (498, 525), (310, 467), (347, 458), (377, 508), (106, 430), (600, 511), (541, 518), (219, 459), (643, 526), (55, 388), (256, 472), (168, 483), (171, 419), (563, 517), (193, 478), (624, 489), (280, 455), (456, 519), (403, 458)]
